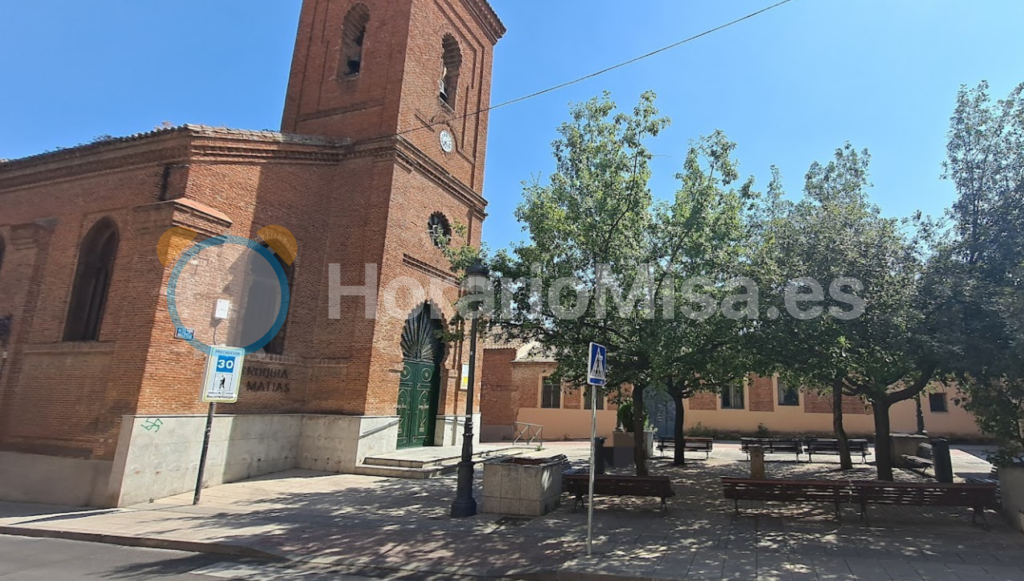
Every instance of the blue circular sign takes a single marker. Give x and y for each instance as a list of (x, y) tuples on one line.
[(263, 251)]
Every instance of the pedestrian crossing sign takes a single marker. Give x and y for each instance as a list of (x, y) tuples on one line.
[(597, 364)]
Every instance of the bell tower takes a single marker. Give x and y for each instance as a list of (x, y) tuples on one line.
[(415, 70)]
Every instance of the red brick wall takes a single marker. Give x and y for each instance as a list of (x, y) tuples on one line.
[(572, 398), (822, 404), (499, 402), (761, 394), (703, 401), (50, 382)]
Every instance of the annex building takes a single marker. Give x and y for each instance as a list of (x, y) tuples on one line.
[(518, 391), (380, 149)]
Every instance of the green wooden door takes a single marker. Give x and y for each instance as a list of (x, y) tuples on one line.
[(417, 404), (419, 387)]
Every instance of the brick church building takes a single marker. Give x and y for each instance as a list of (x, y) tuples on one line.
[(381, 149)]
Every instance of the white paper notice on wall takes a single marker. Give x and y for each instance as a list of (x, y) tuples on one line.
[(223, 309), (465, 376)]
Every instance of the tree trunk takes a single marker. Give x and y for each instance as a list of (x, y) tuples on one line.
[(679, 458), (845, 461), (639, 440), (883, 444)]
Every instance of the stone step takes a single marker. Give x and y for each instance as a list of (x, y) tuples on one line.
[(431, 463), (434, 461), (404, 472)]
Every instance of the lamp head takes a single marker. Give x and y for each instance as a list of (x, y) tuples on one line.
[(478, 269)]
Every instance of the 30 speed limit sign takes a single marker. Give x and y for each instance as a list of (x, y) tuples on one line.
[(223, 375)]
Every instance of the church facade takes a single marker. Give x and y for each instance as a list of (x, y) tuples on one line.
[(381, 150)]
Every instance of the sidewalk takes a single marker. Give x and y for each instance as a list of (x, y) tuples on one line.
[(403, 525)]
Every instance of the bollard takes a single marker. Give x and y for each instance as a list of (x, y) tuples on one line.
[(756, 462), (599, 455), (942, 461)]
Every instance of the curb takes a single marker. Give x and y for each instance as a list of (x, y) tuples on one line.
[(144, 542)]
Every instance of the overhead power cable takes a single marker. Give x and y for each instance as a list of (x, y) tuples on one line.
[(605, 70)]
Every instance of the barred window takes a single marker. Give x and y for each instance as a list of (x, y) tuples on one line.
[(788, 395), (586, 399), (732, 397), (550, 394)]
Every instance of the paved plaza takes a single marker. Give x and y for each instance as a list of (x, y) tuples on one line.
[(381, 527)]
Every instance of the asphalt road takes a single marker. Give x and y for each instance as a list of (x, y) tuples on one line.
[(26, 559)]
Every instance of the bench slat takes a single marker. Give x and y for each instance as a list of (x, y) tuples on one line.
[(612, 485), (975, 496)]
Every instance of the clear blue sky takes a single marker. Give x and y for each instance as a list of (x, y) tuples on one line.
[(789, 86)]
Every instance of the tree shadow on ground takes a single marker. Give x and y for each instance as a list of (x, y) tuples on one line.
[(393, 526)]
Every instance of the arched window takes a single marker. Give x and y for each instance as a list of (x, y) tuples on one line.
[(352, 41), (264, 298), (440, 229), (451, 62), (92, 282)]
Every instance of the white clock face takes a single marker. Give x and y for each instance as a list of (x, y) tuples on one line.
[(447, 141)]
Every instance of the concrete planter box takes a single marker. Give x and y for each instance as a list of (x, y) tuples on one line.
[(522, 486), (622, 448), (1011, 490)]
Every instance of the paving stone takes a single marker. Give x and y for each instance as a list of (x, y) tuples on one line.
[(898, 570), (1004, 572), (704, 568), (361, 520)]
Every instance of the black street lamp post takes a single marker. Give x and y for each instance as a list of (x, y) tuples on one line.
[(465, 504)]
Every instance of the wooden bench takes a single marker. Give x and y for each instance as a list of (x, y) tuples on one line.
[(706, 445), (831, 491), (991, 478), (975, 496), (831, 446), (921, 461), (609, 485), (773, 446)]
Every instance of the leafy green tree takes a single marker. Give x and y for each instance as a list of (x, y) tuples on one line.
[(977, 275), (851, 320), (589, 244), (604, 262), (701, 245)]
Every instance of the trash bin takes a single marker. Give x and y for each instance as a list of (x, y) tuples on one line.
[(599, 456), (942, 461)]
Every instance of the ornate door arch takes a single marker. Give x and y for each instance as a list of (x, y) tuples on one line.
[(419, 388)]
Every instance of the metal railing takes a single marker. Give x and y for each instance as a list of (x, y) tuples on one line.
[(528, 433), (379, 429)]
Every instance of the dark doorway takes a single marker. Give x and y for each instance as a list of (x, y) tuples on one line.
[(661, 412)]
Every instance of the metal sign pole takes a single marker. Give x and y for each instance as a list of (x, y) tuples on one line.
[(593, 454), (203, 454), (597, 361), (220, 384)]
